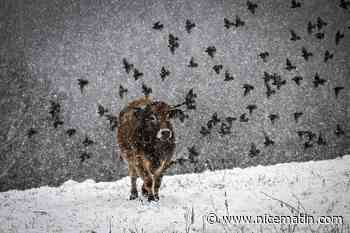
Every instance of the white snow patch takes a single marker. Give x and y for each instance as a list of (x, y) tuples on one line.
[(319, 188)]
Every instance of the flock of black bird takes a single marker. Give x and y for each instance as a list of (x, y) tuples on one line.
[(272, 81)]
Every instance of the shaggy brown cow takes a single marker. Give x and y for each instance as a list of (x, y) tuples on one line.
[(147, 142)]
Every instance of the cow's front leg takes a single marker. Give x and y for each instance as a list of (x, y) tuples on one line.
[(152, 186), (147, 188), (133, 192), (133, 178)]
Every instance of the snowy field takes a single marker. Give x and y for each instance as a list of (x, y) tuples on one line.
[(317, 188)]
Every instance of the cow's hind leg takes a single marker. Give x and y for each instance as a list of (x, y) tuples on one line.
[(133, 178), (144, 190), (158, 182)]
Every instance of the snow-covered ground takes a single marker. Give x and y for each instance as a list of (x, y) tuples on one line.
[(317, 188)]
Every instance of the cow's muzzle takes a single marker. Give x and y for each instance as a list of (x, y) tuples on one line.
[(164, 134)]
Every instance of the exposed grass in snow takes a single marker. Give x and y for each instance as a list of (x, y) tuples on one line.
[(313, 188)]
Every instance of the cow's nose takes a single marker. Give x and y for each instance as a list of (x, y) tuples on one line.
[(164, 134)]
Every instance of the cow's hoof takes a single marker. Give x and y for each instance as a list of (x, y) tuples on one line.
[(133, 195), (153, 198), (156, 197)]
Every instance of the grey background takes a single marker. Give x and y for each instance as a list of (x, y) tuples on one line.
[(45, 46)]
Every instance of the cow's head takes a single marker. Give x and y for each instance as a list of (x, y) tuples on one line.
[(154, 122)]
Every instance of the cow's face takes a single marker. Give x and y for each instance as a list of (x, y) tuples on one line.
[(155, 122)]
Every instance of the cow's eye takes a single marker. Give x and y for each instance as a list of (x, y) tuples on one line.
[(153, 117)]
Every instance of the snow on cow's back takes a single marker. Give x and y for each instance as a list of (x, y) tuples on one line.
[(321, 187)]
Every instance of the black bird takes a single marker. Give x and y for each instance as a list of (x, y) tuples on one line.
[(273, 117), (253, 150), (192, 63), (113, 121), (319, 35), (193, 153), (297, 115), (146, 90), (190, 99), (247, 88), (268, 141), (269, 90), (295, 4), (82, 83), (337, 90), (204, 131), (321, 140), (57, 122), (225, 129), (264, 56), (158, 26), (251, 108), (252, 6), (302, 133), (307, 145), (189, 26), (178, 113), (87, 141), (289, 66), (127, 66), (122, 91), (181, 161), (84, 156), (338, 37), (213, 121), (239, 22), (31, 132), (101, 110), (310, 135), (173, 43), (70, 132), (339, 131), (297, 79), (294, 37), (230, 119), (55, 109), (164, 73), (243, 118), (268, 77), (328, 56), (310, 27), (320, 23), (318, 81), (277, 81), (306, 54), (344, 4), (228, 23), (217, 68), (228, 76), (137, 74), (226, 126), (211, 50)]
